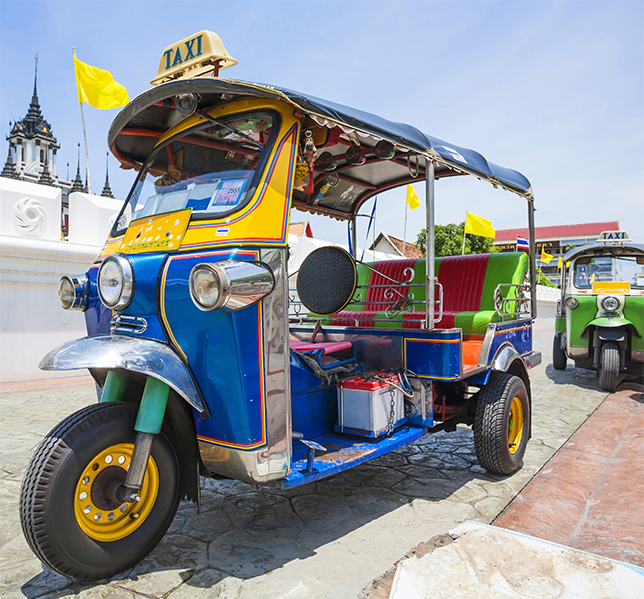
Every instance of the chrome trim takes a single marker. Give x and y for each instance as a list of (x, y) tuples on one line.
[(127, 291), (533, 359), (143, 356), (80, 285), (504, 357), (122, 323), (273, 460), (501, 302), (242, 284), (484, 356)]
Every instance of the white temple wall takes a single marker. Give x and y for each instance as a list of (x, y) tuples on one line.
[(32, 321), (91, 217)]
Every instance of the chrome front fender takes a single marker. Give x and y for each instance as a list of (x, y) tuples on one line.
[(143, 356)]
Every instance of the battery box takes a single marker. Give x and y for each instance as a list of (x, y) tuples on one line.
[(364, 405)]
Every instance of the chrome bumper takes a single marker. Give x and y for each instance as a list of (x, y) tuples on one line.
[(143, 356)]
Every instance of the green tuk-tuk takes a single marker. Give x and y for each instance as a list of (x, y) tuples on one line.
[(600, 316)]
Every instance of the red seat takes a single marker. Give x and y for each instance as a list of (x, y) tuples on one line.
[(326, 347)]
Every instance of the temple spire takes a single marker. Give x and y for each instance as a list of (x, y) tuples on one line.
[(107, 192), (34, 113), (9, 171), (77, 185)]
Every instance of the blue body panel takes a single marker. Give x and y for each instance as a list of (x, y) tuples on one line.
[(224, 352), (147, 269), (518, 335), (344, 453), (97, 316), (436, 356)]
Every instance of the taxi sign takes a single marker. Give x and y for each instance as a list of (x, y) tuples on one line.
[(617, 287), (613, 236), (198, 54)]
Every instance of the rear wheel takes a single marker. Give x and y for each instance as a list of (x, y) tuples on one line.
[(559, 358), (68, 510), (609, 367), (502, 423)]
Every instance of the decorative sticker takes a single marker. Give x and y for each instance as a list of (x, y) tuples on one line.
[(159, 233)]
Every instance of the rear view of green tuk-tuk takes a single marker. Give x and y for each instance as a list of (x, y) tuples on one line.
[(600, 317)]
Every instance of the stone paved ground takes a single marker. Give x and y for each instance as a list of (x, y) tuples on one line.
[(328, 540)]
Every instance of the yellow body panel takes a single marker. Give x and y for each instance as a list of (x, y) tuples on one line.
[(163, 232), (619, 287)]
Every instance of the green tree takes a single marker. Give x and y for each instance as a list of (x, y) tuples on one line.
[(448, 241)]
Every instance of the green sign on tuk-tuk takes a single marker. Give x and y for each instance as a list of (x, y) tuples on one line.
[(600, 316)]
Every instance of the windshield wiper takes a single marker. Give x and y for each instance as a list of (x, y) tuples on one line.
[(214, 121)]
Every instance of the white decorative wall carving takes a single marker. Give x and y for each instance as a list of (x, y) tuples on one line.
[(30, 217)]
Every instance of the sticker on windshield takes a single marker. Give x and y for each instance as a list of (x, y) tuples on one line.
[(228, 194)]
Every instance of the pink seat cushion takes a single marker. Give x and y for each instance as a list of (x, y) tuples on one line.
[(329, 348)]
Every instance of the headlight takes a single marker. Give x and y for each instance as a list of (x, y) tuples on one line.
[(116, 282), (72, 292), (230, 284), (610, 303), (206, 286), (571, 302)]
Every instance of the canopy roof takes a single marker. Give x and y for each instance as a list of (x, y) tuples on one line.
[(599, 248), (136, 128)]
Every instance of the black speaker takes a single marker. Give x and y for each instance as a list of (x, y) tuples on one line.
[(327, 280)]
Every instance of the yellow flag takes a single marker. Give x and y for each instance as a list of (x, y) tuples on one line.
[(560, 263), (477, 225), (546, 258), (412, 198), (97, 87)]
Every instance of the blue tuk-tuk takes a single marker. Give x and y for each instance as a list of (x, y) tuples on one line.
[(207, 365)]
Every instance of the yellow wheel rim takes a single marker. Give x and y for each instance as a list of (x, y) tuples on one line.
[(100, 518), (515, 425)]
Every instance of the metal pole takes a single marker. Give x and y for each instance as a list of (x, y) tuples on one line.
[(89, 179), (405, 230), (533, 260), (354, 238), (429, 244)]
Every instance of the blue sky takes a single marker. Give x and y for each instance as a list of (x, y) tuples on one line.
[(551, 89)]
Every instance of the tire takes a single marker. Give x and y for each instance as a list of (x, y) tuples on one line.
[(609, 367), (502, 423), (559, 358), (85, 535)]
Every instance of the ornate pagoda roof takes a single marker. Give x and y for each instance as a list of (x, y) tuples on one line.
[(34, 125)]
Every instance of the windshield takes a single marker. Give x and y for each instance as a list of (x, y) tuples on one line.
[(626, 269), (211, 168)]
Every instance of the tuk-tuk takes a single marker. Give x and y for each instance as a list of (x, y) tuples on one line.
[(205, 363), (600, 316)]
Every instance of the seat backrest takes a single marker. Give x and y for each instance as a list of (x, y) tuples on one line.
[(364, 274), (399, 270), (504, 267), (463, 279)]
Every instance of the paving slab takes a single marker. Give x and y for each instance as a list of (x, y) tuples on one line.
[(590, 495), (486, 562), (326, 539)]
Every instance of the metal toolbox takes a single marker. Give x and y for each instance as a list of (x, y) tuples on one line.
[(364, 405)]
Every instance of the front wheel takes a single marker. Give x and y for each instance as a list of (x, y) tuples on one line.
[(69, 515), (609, 367), (502, 423), (559, 358)]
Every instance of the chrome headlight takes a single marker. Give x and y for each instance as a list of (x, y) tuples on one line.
[(229, 285), (571, 302), (610, 303), (72, 292), (206, 286), (116, 282)]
